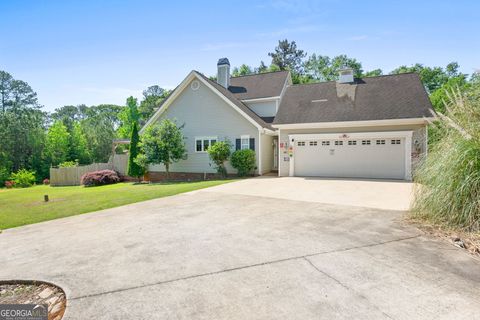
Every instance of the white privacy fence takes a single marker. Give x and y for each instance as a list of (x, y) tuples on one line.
[(70, 176)]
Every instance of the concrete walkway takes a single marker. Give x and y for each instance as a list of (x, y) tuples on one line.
[(214, 254)]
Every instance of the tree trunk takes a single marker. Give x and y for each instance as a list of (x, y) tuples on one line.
[(167, 171)]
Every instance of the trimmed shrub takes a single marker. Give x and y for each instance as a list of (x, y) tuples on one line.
[(68, 164), (9, 184), (244, 161), (46, 181), (219, 153), (99, 178), (23, 178)]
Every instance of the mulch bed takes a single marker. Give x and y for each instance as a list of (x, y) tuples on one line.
[(33, 292)]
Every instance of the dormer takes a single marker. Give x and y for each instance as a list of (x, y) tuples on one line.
[(262, 93)]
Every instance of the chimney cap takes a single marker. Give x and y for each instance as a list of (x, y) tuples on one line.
[(345, 70), (345, 75), (223, 61)]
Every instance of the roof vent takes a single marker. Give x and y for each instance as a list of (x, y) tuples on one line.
[(345, 76)]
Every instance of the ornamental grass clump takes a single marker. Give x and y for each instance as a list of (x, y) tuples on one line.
[(448, 180)]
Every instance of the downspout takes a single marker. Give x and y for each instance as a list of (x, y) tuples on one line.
[(279, 167), (259, 152)]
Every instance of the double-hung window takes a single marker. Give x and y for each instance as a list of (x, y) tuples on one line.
[(244, 142), (202, 143)]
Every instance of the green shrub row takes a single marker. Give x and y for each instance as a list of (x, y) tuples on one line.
[(242, 160), (21, 179)]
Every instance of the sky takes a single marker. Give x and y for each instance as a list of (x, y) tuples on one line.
[(99, 51)]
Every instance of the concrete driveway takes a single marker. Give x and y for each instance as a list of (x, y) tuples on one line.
[(249, 250)]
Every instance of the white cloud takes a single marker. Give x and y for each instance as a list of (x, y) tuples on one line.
[(358, 38), (223, 46), (288, 31), (112, 91)]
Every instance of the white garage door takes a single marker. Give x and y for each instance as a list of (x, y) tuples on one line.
[(357, 158)]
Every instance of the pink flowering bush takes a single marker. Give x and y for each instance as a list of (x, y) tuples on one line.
[(9, 184), (99, 178)]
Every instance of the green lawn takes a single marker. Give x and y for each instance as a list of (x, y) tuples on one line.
[(25, 206)]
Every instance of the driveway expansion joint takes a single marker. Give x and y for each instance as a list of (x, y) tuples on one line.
[(241, 268)]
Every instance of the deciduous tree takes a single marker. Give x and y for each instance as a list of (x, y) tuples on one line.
[(164, 144), (324, 68), (152, 98), (57, 143)]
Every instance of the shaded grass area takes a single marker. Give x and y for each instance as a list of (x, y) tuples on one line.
[(25, 206)]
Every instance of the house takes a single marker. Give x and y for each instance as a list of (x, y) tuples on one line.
[(373, 127)]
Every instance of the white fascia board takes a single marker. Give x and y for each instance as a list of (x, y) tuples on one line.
[(351, 135), (169, 101), (347, 124), (261, 99), (269, 132)]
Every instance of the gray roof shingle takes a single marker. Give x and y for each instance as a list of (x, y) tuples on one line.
[(399, 96), (260, 85)]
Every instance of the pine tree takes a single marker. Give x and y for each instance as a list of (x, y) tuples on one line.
[(134, 170)]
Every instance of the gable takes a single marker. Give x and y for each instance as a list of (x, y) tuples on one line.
[(203, 112), (216, 89)]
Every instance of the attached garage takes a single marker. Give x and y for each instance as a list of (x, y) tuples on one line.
[(384, 155)]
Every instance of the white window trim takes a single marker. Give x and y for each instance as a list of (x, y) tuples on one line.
[(241, 143), (209, 138)]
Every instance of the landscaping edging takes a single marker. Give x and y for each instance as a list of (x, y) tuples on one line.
[(34, 292)]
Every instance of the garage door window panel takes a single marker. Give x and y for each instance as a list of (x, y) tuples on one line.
[(395, 141)]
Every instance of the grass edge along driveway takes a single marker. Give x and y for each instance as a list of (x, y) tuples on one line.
[(19, 207)]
